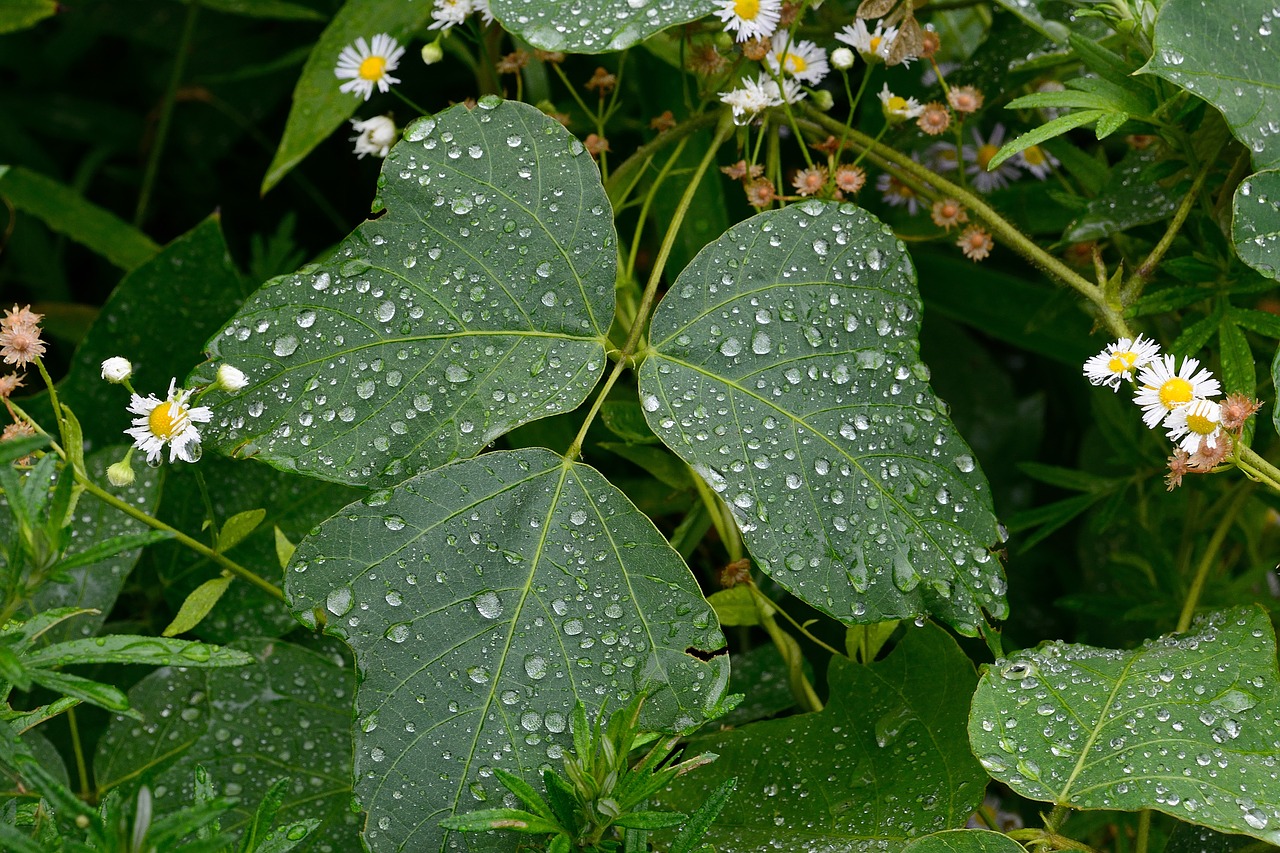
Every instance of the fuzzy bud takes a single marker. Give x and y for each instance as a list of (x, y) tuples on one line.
[(432, 53), (120, 474), (823, 100), (116, 369), (231, 378)]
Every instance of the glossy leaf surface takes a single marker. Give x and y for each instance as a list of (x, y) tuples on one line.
[(964, 841), (483, 600), (1255, 222), (1187, 724), (593, 26), (786, 372), (478, 302)]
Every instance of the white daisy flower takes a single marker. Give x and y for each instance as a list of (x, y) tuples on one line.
[(116, 369), (1037, 161), (873, 45), (169, 421), (373, 136), (760, 94), (1199, 420), (803, 60), (979, 155), (898, 109), (749, 19), (363, 66), (1164, 390), (482, 6), (450, 13), (1120, 360)]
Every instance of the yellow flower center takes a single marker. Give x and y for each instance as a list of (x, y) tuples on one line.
[(1033, 156), (1175, 392), (1122, 362), (747, 10), (167, 420), (794, 63), (985, 153), (373, 68), (875, 43), (897, 104), (1200, 425)]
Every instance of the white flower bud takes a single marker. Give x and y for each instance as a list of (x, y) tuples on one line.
[(116, 369), (376, 136), (120, 474), (842, 58), (231, 378), (432, 53)]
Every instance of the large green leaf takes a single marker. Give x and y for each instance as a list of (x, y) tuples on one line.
[(964, 841), (481, 300), (1225, 53), (20, 14), (287, 714), (1255, 222), (594, 26), (1187, 725), (483, 600), (785, 370), (883, 762), (319, 108)]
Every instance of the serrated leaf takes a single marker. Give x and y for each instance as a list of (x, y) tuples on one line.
[(197, 605), (1255, 222), (964, 841), (785, 370), (1046, 131), (1126, 201), (593, 26), (480, 301), (289, 714), (236, 528), (892, 733), (1224, 53), (507, 589), (1186, 725)]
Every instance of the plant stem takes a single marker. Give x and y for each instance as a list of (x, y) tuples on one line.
[(1210, 556), (82, 769), (166, 114), (405, 98), (622, 176), (644, 207), (1256, 467), (1141, 275), (787, 647), (1144, 831), (1109, 315)]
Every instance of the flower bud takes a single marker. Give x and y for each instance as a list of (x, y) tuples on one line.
[(432, 52), (823, 100), (120, 474), (116, 369), (842, 58), (231, 378)]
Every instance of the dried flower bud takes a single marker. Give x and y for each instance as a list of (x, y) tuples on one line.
[(1236, 409)]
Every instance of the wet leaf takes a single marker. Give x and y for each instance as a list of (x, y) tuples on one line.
[(1186, 725), (785, 370), (892, 734), (287, 714), (481, 300), (483, 600), (1128, 200), (964, 841), (593, 26), (1224, 53), (1255, 222)]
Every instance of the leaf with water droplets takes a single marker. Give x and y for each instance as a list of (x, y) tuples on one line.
[(1225, 53), (480, 301), (593, 26), (287, 714), (785, 370), (1255, 222), (1187, 725), (884, 761), (483, 600), (964, 841), (1127, 201)]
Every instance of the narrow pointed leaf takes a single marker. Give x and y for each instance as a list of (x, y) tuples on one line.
[(197, 605), (593, 26), (483, 601), (135, 649), (1186, 725), (479, 301), (1255, 222), (786, 372), (238, 526)]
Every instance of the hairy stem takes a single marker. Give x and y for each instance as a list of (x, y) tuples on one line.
[(1133, 287)]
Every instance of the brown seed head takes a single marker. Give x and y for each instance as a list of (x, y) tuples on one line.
[(602, 82), (810, 181), (756, 49), (21, 344), (948, 213), (935, 119), (664, 122), (760, 193), (965, 99), (975, 242), (1236, 409), (9, 384), (595, 145), (850, 179)]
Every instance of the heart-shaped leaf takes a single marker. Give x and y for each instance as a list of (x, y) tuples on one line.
[(785, 370), (594, 26), (1187, 725), (1225, 53), (884, 761), (1255, 222), (481, 300), (483, 600)]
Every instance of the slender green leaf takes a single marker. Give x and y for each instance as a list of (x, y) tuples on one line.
[(1186, 724), (1048, 130), (67, 212), (964, 841), (284, 548), (700, 821), (503, 591), (125, 648), (197, 605), (1239, 374), (785, 371), (651, 820), (237, 527), (1262, 322), (95, 693), (892, 732), (479, 302), (1255, 222), (511, 820), (1110, 123), (593, 26)]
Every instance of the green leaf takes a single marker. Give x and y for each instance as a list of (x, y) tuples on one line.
[(1046, 131), (1275, 383), (1262, 322), (197, 605), (279, 10), (319, 108), (651, 820), (67, 212), (289, 714), (237, 527), (1239, 374), (284, 548), (1030, 13), (1224, 53), (511, 820), (112, 547), (1186, 725), (1109, 124), (625, 419), (95, 693), (659, 462), (1255, 222), (700, 821), (734, 606), (785, 370), (892, 732), (1126, 202), (485, 600), (480, 301), (964, 841), (126, 648), (593, 26)]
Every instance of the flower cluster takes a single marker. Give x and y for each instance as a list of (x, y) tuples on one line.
[(20, 345)]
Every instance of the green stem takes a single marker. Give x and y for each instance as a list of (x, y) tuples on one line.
[(53, 398), (724, 526), (1258, 468), (644, 207), (1109, 316), (82, 769), (803, 691), (166, 114), (1141, 275), (1144, 831), (623, 176), (1209, 557)]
